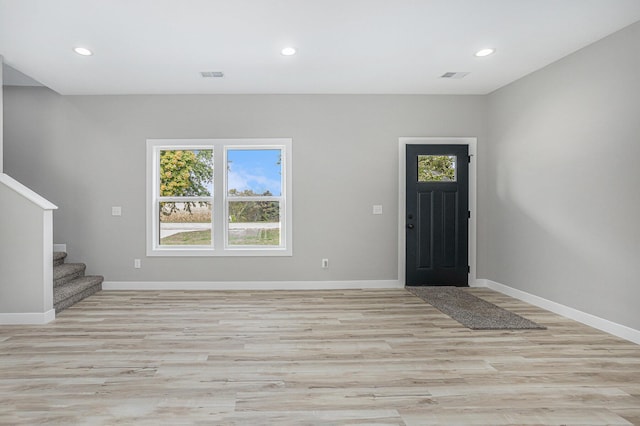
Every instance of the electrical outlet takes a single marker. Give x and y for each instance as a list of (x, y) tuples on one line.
[(325, 263), (137, 264)]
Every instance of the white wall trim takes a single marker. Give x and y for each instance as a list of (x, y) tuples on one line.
[(60, 247), (28, 318), (602, 324), (472, 143), (250, 285), (47, 260)]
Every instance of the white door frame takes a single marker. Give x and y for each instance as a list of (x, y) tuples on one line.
[(471, 142)]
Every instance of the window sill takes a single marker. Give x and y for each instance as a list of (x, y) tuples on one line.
[(230, 252)]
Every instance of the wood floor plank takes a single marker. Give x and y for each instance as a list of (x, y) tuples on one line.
[(380, 357)]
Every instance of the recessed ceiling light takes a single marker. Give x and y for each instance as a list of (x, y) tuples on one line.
[(485, 52), (83, 51), (288, 51)]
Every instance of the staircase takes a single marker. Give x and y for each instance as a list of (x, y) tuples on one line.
[(70, 284)]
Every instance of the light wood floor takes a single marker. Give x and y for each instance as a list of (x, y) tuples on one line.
[(320, 357)]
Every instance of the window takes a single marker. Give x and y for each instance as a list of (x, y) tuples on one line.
[(219, 197), (437, 168)]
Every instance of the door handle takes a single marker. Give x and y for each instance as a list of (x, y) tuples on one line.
[(410, 226)]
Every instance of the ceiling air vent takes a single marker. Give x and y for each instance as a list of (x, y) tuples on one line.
[(454, 75), (212, 74)]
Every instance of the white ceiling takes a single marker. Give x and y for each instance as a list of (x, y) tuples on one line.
[(344, 46)]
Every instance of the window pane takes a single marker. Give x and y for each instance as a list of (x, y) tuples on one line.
[(436, 168), (252, 172), (254, 223), (185, 224), (186, 173)]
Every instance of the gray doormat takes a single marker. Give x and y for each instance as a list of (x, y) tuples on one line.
[(471, 311)]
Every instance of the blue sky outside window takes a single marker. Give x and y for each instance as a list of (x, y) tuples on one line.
[(255, 170)]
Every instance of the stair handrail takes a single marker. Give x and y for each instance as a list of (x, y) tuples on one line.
[(27, 193)]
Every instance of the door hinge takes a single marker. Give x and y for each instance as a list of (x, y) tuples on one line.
[(468, 269), (468, 158), (469, 214)]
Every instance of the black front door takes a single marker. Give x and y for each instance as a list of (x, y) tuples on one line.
[(437, 205)]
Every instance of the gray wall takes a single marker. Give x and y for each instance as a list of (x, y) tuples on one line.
[(22, 231), (87, 153), (562, 196), (1, 116)]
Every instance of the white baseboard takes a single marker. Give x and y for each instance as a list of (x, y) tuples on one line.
[(250, 285), (607, 326), (27, 318), (60, 247)]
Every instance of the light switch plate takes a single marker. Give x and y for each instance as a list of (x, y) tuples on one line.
[(116, 211), (377, 209)]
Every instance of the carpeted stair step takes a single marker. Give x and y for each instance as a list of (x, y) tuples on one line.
[(70, 285), (73, 291), (58, 257), (67, 272)]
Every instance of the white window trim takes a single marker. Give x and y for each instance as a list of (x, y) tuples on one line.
[(220, 215)]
